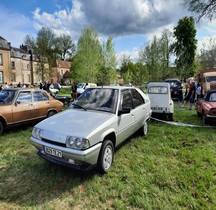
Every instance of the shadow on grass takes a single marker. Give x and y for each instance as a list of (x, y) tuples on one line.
[(29, 180)]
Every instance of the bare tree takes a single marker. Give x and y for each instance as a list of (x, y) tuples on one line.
[(200, 9)]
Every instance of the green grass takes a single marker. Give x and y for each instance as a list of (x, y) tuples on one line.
[(65, 91), (171, 168)]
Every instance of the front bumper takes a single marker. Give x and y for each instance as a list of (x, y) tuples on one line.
[(76, 159)]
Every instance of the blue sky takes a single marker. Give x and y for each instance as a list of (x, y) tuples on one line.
[(131, 23)]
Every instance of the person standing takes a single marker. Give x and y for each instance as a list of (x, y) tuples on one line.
[(199, 91), (180, 97), (74, 91), (192, 93)]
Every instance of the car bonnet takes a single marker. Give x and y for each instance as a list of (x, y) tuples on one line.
[(74, 122)]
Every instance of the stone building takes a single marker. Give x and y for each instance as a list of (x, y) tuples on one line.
[(19, 65)]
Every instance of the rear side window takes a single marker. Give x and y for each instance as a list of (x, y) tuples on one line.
[(137, 98), (40, 96)]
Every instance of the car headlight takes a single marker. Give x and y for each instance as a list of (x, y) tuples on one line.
[(77, 142), (37, 133)]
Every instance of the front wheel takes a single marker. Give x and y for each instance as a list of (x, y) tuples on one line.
[(106, 156)]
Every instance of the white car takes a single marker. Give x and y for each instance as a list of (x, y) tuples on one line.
[(86, 134), (81, 87), (54, 88), (160, 97)]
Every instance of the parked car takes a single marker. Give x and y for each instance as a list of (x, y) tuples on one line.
[(64, 99), (21, 105), (175, 84), (86, 134), (82, 86), (54, 88), (206, 107), (160, 97)]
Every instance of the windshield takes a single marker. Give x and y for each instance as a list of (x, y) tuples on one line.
[(7, 96), (101, 99), (174, 83), (211, 79), (80, 85)]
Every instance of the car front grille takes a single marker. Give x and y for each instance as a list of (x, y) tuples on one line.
[(54, 142)]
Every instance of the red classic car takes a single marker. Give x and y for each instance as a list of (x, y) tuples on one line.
[(206, 108)]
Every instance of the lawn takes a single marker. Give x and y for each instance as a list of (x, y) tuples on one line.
[(173, 167)]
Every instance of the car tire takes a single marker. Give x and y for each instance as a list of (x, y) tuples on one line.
[(198, 114), (144, 129), (1, 128), (106, 156), (204, 119), (170, 116), (51, 113)]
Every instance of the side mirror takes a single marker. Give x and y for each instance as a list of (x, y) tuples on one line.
[(124, 111)]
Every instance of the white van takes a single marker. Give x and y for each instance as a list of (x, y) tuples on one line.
[(82, 86), (160, 97)]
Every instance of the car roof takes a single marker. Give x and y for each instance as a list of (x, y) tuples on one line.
[(172, 80), (16, 89), (119, 87), (158, 84)]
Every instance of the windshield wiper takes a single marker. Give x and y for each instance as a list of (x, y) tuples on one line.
[(78, 106)]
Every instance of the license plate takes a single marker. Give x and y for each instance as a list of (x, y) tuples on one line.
[(53, 152)]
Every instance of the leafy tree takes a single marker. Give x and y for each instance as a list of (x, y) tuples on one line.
[(124, 70), (200, 8), (166, 42), (185, 47), (151, 56), (207, 57), (87, 61), (107, 73), (43, 51), (65, 46)]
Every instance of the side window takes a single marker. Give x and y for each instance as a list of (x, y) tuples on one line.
[(126, 100), (137, 98), (40, 96), (24, 97)]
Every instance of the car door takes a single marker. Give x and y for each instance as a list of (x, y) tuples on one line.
[(41, 104), (139, 110), (126, 122), (23, 109)]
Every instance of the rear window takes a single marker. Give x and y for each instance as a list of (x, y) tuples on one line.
[(173, 83), (158, 90)]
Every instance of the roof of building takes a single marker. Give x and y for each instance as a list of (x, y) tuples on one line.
[(63, 64), (4, 44)]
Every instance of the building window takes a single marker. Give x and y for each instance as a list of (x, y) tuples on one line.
[(13, 65), (1, 77), (27, 66), (1, 59), (29, 78), (13, 79)]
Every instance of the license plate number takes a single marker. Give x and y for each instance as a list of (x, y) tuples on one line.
[(53, 152)]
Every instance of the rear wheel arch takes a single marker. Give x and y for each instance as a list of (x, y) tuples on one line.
[(51, 113), (2, 125)]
